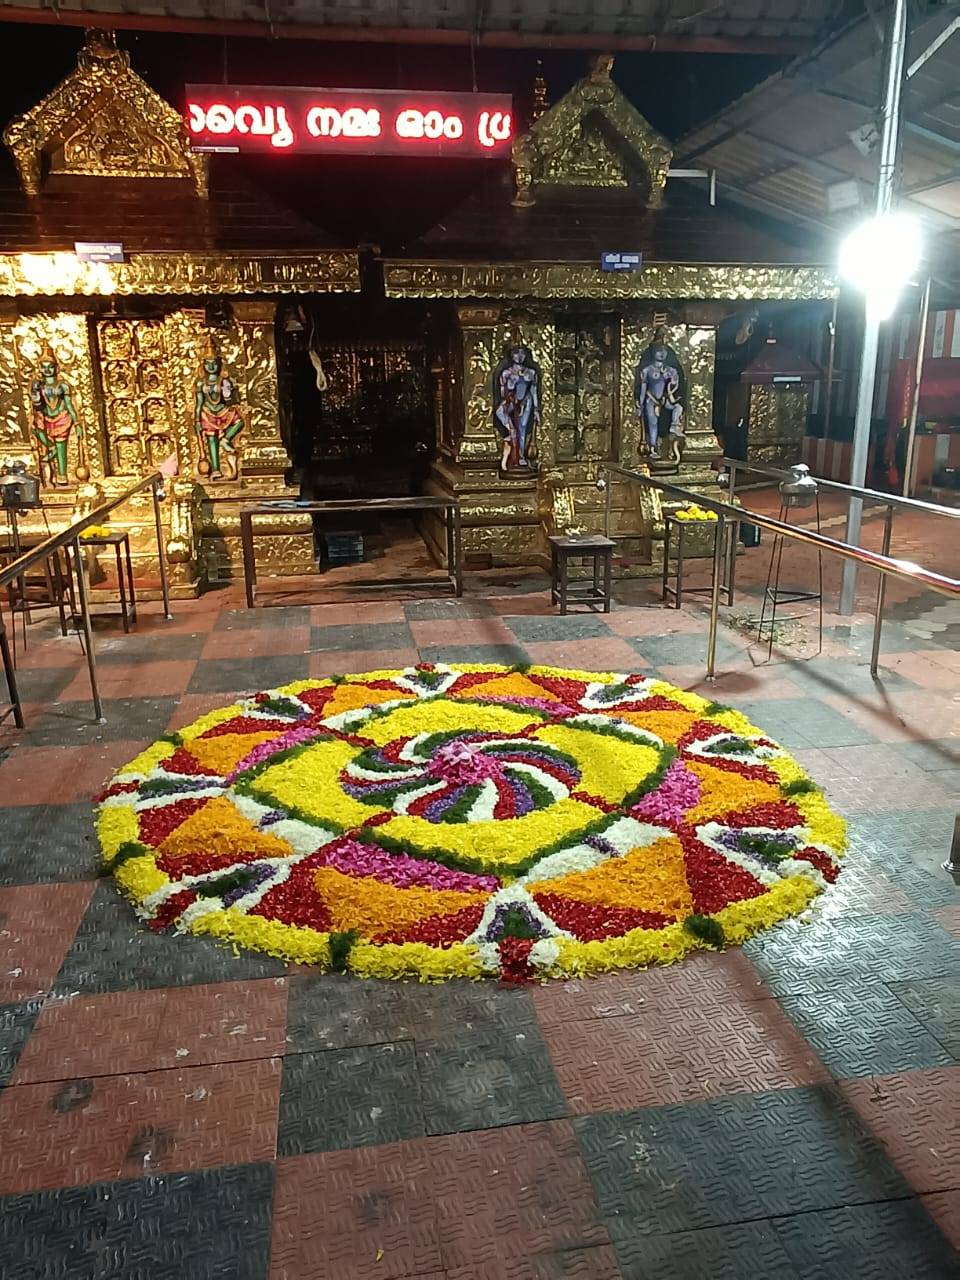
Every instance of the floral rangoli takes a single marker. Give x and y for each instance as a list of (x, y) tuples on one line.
[(470, 821)]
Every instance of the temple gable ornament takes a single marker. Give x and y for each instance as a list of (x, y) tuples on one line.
[(103, 121), (592, 137)]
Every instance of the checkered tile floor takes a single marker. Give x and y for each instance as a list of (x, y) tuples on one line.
[(783, 1110)]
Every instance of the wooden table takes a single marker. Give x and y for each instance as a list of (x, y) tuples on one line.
[(119, 539), (593, 547), (358, 506), (676, 590)]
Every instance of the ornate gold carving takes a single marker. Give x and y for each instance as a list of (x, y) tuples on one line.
[(64, 275), (16, 443), (777, 424), (592, 137), (103, 121), (139, 407), (661, 281)]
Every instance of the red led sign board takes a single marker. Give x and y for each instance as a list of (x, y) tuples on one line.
[(382, 122)]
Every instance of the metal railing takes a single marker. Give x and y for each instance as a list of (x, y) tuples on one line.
[(726, 512), (891, 501), (70, 538)]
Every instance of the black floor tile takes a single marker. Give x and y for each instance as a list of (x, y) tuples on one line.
[(794, 957), (484, 1078), (114, 951), (935, 755), (745, 1249), (72, 724), (803, 722), (271, 617), (332, 1011), (40, 844), (231, 675), (935, 1003), (663, 1170), (195, 1226), (16, 1023), (908, 848), (870, 1242), (682, 649), (531, 629), (367, 635), (44, 684), (447, 610), (152, 647), (864, 1030), (508, 655), (359, 1097)]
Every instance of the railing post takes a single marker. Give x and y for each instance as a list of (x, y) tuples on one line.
[(718, 550), (164, 584), (952, 863), (6, 657), (881, 594), (87, 629)]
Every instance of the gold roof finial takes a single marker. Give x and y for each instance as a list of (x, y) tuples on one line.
[(48, 355), (210, 351), (539, 95)]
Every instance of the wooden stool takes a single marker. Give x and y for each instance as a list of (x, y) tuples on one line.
[(593, 547), (682, 526), (119, 540)]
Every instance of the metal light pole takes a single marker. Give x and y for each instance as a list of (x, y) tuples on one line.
[(897, 44)]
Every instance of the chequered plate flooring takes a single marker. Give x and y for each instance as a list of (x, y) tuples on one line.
[(171, 1112)]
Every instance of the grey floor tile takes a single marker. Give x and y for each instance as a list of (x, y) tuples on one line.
[(266, 617), (531, 629), (334, 1011), (745, 1249), (864, 1030), (72, 724), (114, 951), (485, 1078), (663, 1170), (870, 1242), (195, 1226), (935, 1003), (41, 844), (16, 1023), (508, 655), (367, 635), (359, 1097), (230, 675), (448, 610)]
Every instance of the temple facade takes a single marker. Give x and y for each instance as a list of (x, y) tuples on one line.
[(249, 349)]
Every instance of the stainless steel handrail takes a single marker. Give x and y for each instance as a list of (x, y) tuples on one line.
[(883, 564), (70, 537), (871, 495), (891, 501)]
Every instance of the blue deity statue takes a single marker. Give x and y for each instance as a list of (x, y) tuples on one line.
[(516, 390), (658, 391)]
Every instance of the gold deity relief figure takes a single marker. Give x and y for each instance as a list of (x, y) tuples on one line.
[(54, 417), (217, 418)]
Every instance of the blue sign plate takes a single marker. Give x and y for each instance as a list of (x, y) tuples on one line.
[(621, 261)]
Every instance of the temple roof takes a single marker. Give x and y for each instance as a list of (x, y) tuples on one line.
[(577, 224), (154, 215)]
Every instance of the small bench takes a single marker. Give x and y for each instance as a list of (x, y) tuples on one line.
[(593, 547)]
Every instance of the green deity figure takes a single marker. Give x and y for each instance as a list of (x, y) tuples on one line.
[(54, 415), (217, 420)]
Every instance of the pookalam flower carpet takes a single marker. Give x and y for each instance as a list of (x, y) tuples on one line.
[(470, 821)]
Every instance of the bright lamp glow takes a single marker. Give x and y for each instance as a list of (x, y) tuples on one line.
[(880, 257)]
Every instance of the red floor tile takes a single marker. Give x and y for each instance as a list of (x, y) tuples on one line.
[(59, 775), (366, 1214), (343, 662), (601, 654), (132, 680), (357, 613), (508, 1193), (255, 642), (149, 1030), (911, 1115), (429, 633), (37, 925), (706, 977), (107, 1127), (944, 1208), (651, 1058), (194, 705), (535, 604)]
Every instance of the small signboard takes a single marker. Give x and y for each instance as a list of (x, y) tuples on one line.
[(98, 251), (376, 122), (621, 261)]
